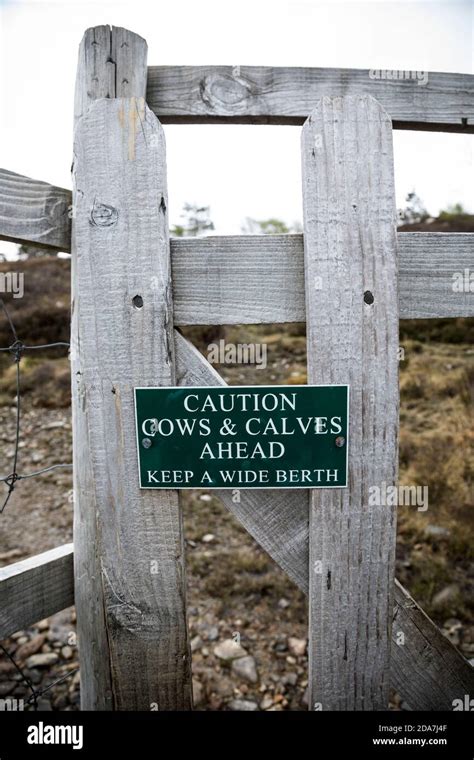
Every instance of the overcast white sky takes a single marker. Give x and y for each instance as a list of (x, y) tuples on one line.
[(238, 170)]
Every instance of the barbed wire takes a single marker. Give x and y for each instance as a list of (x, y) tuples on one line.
[(35, 693), (17, 349)]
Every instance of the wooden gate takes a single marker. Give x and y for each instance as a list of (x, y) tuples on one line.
[(350, 276)]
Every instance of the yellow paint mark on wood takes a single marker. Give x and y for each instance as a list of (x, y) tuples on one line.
[(121, 115), (136, 117), (134, 122)]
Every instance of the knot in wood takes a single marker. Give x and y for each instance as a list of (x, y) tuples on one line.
[(103, 215), (56, 209), (228, 92)]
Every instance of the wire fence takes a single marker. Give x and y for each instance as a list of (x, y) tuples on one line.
[(17, 349), (35, 693)]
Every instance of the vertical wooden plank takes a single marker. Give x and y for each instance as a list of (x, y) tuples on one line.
[(129, 552), (111, 64), (352, 323)]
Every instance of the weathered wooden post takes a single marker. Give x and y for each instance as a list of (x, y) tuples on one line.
[(352, 324), (129, 558)]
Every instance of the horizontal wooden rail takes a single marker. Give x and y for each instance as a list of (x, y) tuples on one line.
[(432, 277), (206, 270), (251, 279), (35, 588), (427, 670), (267, 95), (34, 212)]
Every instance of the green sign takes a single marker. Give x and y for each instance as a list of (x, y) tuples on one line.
[(282, 436)]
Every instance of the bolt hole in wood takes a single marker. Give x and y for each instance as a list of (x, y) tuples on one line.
[(137, 302), (368, 297)]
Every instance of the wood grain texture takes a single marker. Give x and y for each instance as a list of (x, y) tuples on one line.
[(350, 252), (122, 251), (425, 667), (209, 272), (130, 571), (281, 527), (111, 64), (267, 95), (35, 588), (428, 273), (34, 212), (206, 272)]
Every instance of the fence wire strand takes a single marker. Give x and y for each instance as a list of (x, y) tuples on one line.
[(35, 693), (17, 349)]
